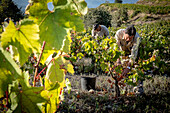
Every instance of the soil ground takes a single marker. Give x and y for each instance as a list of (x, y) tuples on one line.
[(102, 100)]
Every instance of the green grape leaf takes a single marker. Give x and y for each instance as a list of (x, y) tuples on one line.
[(104, 66), (67, 43), (9, 71), (59, 2), (54, 83), (23, 55), (25, 100), (24, 80), (25, 38), (66, 64), (118, 69), (54, 72), (5, 79), (116, 56), (54, 25), (81, 6)]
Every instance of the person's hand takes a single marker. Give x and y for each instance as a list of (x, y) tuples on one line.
[(118, 62), (129, 63), (125, 71)]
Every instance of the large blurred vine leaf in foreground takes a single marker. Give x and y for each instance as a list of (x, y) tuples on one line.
[(22, 96), (53, 27), (54, 24), (25, 37), (25, 100), (55, 81), (9, 71)]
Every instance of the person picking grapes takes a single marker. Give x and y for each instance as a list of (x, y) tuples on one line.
[(100, 30), (128, 41)]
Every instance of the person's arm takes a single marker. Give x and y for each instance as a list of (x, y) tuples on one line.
[(93, 33), (134, 51), (118, 38)]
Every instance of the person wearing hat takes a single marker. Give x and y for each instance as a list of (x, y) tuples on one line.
[(100, 30), (128, 40)]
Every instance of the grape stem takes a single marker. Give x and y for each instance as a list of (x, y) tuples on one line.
[(43, 69), (36, 70), (7, 98), (117, 89)]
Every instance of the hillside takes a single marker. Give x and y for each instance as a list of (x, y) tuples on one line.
[(145, 11), (154, 2)]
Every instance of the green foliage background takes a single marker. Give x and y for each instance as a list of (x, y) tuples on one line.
[(155, 37)]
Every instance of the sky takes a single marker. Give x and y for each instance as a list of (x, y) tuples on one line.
[(90, 3), (96, 3)]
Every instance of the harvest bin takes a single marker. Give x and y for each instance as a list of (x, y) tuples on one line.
[(88, 83)]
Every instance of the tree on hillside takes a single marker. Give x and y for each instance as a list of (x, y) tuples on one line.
[(9, 9), (118, 1), (97, 15), (119, 17)]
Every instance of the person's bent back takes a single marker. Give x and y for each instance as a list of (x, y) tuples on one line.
[(100, 30), (128, 40)]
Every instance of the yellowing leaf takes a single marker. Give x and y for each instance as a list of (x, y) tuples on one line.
[(152, 58), (53, 100), (70, 68), (80, 55), (47, 56), (51, 94), (25, 38)]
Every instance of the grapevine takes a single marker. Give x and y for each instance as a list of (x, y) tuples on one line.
[(42, 25)]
